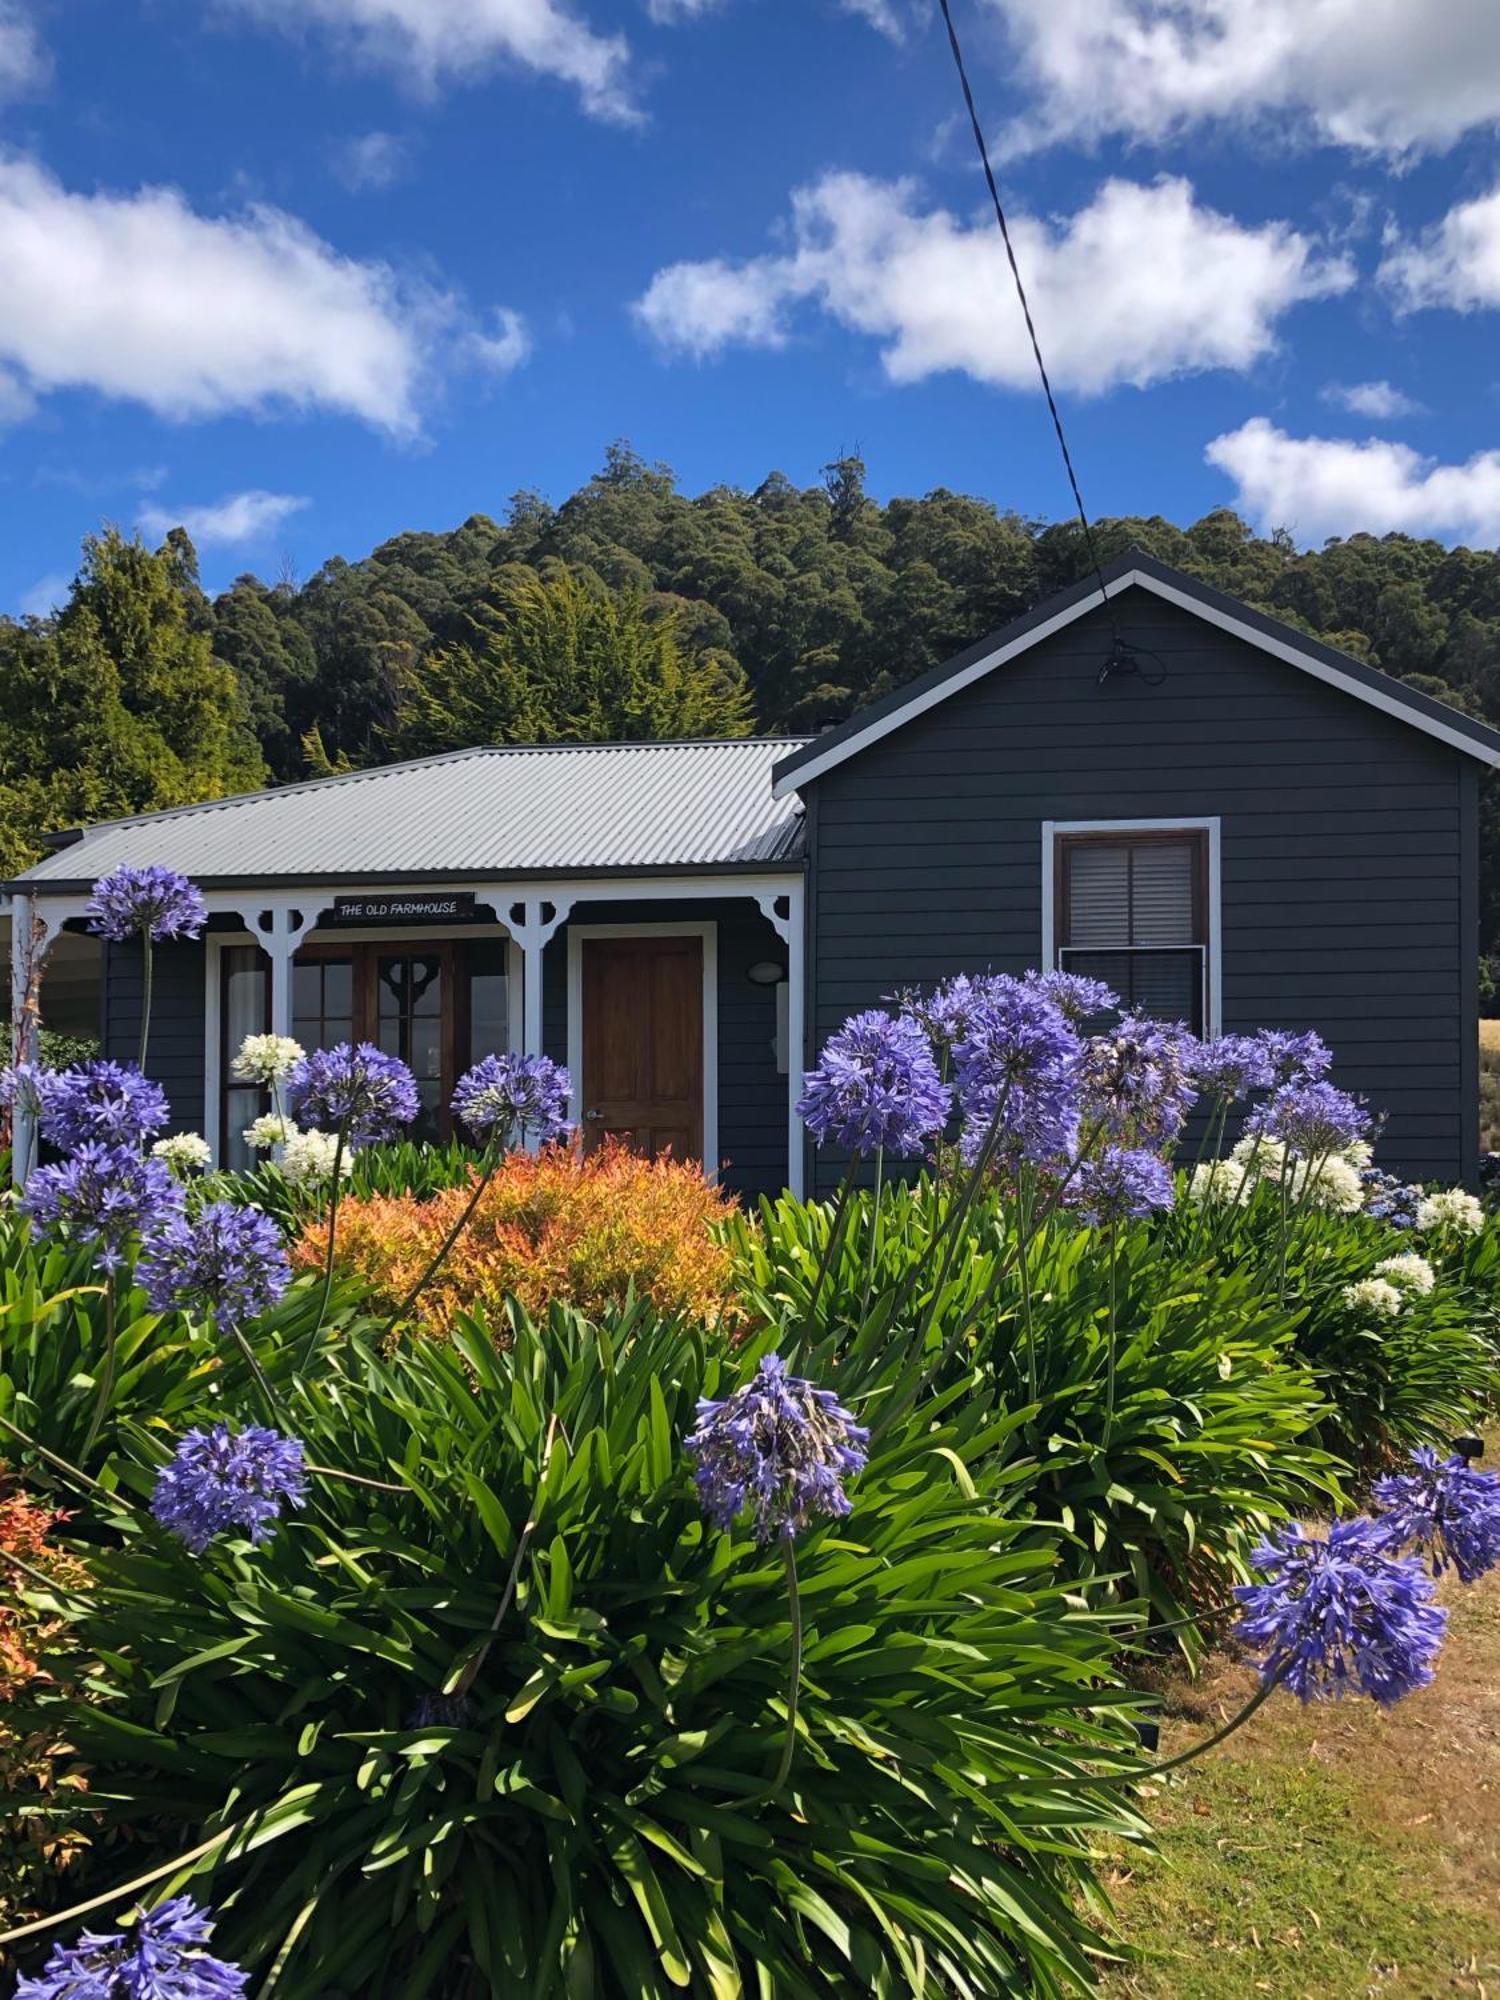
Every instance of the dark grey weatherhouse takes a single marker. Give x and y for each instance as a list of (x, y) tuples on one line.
[(1231, 822)]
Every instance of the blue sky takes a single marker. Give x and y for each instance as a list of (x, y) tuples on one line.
[(308, 272)]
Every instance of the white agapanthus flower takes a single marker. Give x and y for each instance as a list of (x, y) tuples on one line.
[(1332, 1184), (1450, 1211), (266, 1059), (1376, 1296), (1219, 1180), (269, 1130), (307, 1157), (1408, 1272), (184, 1152)]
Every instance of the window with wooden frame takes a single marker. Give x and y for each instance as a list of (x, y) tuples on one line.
[(438, 1004), (1132, 909)]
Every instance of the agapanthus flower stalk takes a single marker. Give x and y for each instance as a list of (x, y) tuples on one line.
[(225, 1261), (161, 1957), (149, 904), (360, 1094), (503, 1098), (781, 1448)]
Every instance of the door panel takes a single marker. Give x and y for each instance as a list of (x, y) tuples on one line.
[(643, 1043)]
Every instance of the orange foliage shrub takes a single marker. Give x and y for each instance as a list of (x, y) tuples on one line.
[(36, 1849), (551, 1225)]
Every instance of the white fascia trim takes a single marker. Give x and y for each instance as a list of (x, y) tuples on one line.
[(708, 932), (1213, 999), (1280, 649)]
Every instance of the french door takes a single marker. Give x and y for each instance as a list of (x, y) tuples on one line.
[(399, 997)]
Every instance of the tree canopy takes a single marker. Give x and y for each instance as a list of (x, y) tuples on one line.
[(630, 609)]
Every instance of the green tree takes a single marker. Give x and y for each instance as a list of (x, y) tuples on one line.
[(551, 656), (118, 705)]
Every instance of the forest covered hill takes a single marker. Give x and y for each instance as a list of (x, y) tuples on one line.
[(632, 609)]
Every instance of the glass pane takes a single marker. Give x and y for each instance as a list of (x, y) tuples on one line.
[(307, 992), (338, 989), (1168, 985), (489, 1014), (245, 1010), (426, 1045), (241, 1108)]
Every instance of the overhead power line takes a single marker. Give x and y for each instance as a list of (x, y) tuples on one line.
[(1036, 345)]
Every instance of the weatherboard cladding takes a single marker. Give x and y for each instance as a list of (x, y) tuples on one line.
[(504, 812), (1348, 867)]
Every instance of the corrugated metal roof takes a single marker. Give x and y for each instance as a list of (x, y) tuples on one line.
[(503, 811)]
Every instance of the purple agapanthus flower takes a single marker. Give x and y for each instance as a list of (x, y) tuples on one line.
[(149, 902), (1390, 1200), (102, 1195), (226, 1260), (161, 1957), (1137, 1081), (949, 1010), (876, 1088), (1017, 1076), (1312, 1119), (218, 1480), (106, 1101), (1300, 1058), (1445, 1509), (514, 1096), (1231, 1066), (778, 1446), (1074, 993), (356, 1086), (1121, 1184), (1340, 1614)]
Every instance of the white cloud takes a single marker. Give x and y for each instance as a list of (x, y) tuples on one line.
[(1455, 263), (136, 296), (506, 348), (23, 60), (1143, 284), (429, 42), (374, 160), (46, 595), (881, 15), (1380, 400), (1383, 76), (1335, 486), (226, 523), (666, 12)]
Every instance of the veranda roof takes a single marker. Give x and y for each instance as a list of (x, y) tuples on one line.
[(495, 812)]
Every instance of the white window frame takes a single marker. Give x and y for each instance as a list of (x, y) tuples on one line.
[(1055, 829), (708, 931)]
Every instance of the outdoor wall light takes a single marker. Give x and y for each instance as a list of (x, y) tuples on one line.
[(766, 972)]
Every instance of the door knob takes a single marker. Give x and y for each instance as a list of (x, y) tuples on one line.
[(594, 1116)]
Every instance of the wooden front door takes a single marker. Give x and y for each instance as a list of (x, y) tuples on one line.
[(643, 1043)]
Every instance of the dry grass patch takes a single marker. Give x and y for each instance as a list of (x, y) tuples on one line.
[(1333, 1851)]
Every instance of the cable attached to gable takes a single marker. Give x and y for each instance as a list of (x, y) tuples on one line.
[(1121, 658)]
